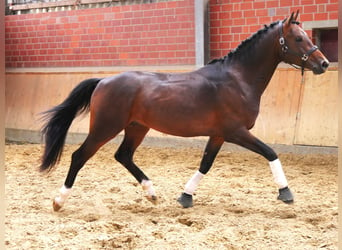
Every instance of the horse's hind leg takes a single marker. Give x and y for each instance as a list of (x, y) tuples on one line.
[(134, 135), (89, 147)]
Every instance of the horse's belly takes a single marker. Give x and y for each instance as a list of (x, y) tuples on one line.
[(180, 125), (183, 132)]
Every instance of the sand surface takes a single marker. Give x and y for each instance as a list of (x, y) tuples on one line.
[(235, 205)]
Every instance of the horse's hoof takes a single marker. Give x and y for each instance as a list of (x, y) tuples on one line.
[(56, 206), (285, 195), (185, 200), (153, 199)]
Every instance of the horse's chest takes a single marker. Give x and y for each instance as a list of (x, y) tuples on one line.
[(240, 111)]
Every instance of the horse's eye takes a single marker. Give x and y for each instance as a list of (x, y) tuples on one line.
[(299, 39)]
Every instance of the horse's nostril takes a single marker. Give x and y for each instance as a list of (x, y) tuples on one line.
[(325, 64)]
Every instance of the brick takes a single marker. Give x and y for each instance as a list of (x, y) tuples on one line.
[(172, 4), (332, 7), (294, 9), (237, 14), (264, 20), (285, 3), (236, 29), (216, 38), (249, 13), (272, 4), (180, 11), (217, 23), (307, 2), (213, 16), (321, 8), (283, 11), (69, 36), (239, 21), (261, 12), (245, 29), (220, 31), (321, 16), (237, 7), (246, 5), (310, 8), (187, 25), (252, 20), (219, 7), (333, 15), (306, 17), (224, 15), (259, 5)]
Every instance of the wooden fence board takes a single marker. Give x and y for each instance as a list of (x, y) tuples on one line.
[(28, 94), (277, 119), (318, 116)]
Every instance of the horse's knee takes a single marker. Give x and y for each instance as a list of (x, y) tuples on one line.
[(80, 156), (118, 156), (75, 157), (123, 157)]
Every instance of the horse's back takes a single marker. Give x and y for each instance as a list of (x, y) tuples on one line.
[(155, 83), (168, 102)]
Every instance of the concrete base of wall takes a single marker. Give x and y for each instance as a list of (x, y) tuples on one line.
[(30, 136)]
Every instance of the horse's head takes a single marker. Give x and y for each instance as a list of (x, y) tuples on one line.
[(298, 49)]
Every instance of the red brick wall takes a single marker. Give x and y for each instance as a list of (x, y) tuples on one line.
[(232, 21), (141, 34)]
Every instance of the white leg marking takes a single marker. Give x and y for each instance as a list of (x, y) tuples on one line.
[(192, 184), (148, 186), (278, 173), (64, 192)]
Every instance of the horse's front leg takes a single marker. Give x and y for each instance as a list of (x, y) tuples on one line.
[(245, 139), (285, 193), (213, 146)]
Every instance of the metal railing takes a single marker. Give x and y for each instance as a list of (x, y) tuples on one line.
[(17, 7), (30, 1)]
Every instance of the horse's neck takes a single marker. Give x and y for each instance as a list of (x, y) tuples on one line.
[(261, 65), (259, 78)]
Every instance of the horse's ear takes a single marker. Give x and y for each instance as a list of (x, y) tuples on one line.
[(296, 16), (291, 18)]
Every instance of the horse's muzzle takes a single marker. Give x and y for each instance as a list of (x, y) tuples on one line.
[(321, 67)]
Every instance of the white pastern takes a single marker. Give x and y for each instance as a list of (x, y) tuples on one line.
[(278, 173), (192, 184), (148, 186), (64, 193)]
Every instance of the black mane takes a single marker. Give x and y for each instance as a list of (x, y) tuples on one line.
[(246, 45)]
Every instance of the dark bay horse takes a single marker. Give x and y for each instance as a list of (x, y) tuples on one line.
[(220, 100)]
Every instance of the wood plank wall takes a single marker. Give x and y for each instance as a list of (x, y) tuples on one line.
[(292, 111), (318, 113)]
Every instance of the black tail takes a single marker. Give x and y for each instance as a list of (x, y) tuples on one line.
[(60, 118)]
